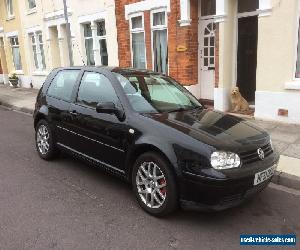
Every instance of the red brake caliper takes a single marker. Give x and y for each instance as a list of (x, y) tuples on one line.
[(161, 182)]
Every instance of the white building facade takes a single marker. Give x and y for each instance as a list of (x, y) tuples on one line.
[(93, 35)]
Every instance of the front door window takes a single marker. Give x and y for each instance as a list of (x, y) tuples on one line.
[(247, 5), (208, 7), (208, 57)]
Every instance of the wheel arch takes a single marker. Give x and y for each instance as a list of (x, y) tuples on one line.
[(41, 114), (144, 148)]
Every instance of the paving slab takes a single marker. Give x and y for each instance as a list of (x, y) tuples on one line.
[(264, 124), (293, 150), (292, 128), (284, 136), (18, 98), (280, 145), (288, 172)]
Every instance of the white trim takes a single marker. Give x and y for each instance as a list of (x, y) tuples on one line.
[(296, 43), (221, 99), (40, 73), (56, 15), (146, 5), (11, 34), (137, 30), (92, 17), (216, 18), (158, 27), (294, 85), (248, 14), (185, 13), (19, 72), (220, 8), (265, 8), (235, 46), (33, 29), (10, 17), (1, 29), (31, 11), (220, 15)]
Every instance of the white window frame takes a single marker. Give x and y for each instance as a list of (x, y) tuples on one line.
[(41, 67), (158, 27), (86, 38), (9, 8), (295, 83), (15, 46), (96, 39), (104, 37), (137, 30), (28, 4)]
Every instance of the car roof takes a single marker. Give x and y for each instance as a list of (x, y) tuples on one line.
[(120, 70)]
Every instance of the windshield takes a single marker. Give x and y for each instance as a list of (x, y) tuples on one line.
[(156, 94)]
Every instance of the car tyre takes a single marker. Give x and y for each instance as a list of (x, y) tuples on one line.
[(44, 141), (154, 184)]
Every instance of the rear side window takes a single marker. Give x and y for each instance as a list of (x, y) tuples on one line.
[(95, 88), (62, 85)]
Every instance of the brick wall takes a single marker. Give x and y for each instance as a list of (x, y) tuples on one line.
[(183, 66)]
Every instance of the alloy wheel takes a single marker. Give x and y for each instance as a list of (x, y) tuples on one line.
[(151, 185), (42, 139)]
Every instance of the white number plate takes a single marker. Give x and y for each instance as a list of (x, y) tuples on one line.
[(264, 175)]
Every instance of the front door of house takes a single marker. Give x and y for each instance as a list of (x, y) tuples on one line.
[(247, 56), (207, 59)]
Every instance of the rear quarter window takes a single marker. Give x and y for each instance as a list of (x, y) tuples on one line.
[(63, 84)]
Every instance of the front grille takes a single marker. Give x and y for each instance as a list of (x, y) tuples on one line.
[(252, 156)]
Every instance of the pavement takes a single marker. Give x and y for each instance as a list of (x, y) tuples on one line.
[(66, 204), (285, 137)]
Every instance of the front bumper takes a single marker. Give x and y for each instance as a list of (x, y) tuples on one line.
[(202, 193)]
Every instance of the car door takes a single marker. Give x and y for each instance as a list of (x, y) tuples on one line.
[(59, 96), (98, 136)]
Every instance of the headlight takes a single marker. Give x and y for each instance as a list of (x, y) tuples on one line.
[(224, 160)]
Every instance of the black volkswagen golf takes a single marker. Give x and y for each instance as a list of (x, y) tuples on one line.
[(149, 130)]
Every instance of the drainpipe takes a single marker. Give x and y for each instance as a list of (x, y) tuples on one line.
[(68, 29)]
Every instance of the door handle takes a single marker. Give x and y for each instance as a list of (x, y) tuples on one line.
[(74, 113)]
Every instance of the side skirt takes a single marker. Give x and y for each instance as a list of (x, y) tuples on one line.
[(107, 167)]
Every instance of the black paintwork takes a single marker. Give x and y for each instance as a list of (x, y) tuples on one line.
[(185, 138)]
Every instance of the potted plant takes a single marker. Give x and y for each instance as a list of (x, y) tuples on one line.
[(14, 80)]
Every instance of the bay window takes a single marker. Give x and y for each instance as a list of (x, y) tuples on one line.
[(159, 42), (16, 56), (138, 42)]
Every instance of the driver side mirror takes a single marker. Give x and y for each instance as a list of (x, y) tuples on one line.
[(109, 108)]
